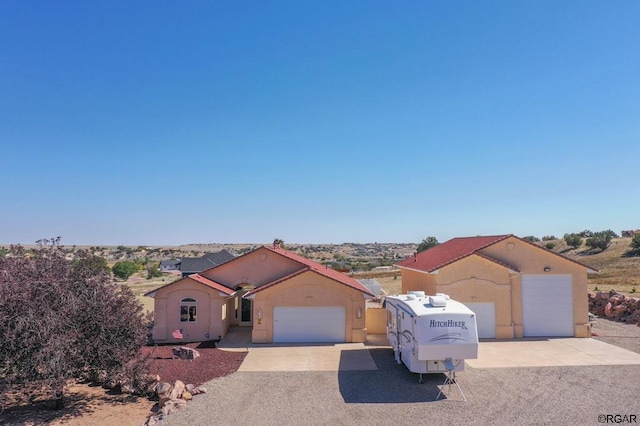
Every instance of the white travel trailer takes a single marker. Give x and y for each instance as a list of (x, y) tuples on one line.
[(431, 334)]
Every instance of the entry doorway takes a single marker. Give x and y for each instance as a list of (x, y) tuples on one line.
[(244, 307)]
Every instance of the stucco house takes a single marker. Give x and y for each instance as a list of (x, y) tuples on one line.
[(516, 288), (282, 296)]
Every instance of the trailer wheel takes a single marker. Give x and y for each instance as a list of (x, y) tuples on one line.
[(420, 381)]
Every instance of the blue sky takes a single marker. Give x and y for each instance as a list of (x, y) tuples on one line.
[(168, 123)]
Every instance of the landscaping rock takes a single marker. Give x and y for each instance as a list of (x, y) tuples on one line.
[(199, 390), (178, 389), (163, 390), (615, 306), (184, 352)]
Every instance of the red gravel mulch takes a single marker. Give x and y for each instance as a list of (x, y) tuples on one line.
[(210, 364)]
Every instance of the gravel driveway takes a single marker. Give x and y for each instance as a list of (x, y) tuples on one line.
[(391, 395)]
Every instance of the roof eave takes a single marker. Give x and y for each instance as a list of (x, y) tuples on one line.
[(422, 271)]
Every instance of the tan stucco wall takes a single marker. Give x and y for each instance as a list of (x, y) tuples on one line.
[(531, 259), (376, 321), (417, 281), (309, 289), (475, 279), (211, 315), (256, 268)]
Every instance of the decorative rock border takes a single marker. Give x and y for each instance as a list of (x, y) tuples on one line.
[(171, 398), (615, 306)]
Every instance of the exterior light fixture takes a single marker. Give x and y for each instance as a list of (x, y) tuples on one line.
[(547, 269), (359, 313)]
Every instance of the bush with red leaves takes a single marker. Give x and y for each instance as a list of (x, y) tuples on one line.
[(62, 319)]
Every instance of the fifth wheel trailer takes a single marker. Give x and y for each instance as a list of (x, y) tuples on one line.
[(431, 334)]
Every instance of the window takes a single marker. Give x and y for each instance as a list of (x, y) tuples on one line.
[(188, 310)]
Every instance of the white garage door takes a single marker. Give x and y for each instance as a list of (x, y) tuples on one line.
[(309, 324), (485, 318), (547, 305)]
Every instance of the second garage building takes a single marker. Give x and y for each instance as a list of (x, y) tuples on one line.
[(515, 287)]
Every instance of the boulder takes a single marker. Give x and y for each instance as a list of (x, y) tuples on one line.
[(178, 388), (186, 395), (607, 310), (198, 390), (163, 390), (184, 352)]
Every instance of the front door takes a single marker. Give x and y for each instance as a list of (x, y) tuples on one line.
[(245, 311)]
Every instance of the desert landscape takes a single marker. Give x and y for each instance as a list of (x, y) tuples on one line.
[(618, 265)]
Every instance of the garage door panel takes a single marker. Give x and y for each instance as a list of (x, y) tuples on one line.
[(547, 305), (485, 318), (294, 324)]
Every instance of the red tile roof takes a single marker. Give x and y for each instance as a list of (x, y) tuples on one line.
[(458, 248), (211, 283), (198, 278), (448, 252), (310, 265)]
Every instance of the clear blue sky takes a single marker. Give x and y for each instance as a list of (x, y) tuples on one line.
[(166, 122)]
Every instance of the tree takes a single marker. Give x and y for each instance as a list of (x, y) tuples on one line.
[(63, 319), (573, 240), (635, 242), (153, 271), (531, 238), (600, 240), (124, 269), (427, 243)]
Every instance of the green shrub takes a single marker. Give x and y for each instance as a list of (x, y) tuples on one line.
[(600, 240), (635, 242), (550, 246), (427, 243), (573, 240), (153, 271), (124, 269), (549, 238)]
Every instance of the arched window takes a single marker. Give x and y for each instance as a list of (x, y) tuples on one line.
[(188, 308)]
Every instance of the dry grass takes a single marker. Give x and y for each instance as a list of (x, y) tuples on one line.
[(619, 267), (140, 285)]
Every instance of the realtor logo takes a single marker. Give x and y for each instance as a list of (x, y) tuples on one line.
[(448, 324)]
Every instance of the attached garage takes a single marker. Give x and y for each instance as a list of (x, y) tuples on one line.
[(485, 318), (547, 305), (296, 324)]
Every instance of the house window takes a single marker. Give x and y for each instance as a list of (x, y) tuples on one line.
[(188, 310)]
